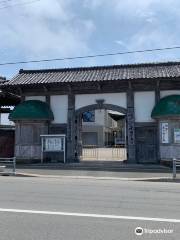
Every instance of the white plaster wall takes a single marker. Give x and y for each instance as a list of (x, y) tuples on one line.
[(169, 92), (59, 106), (144, 103), (40, 98), (99, 116), (4, 120), (118, 99)]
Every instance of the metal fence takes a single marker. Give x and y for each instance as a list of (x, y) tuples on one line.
[(7, 164), (119, 153), (176, 163), (93, 152), (90, 152)]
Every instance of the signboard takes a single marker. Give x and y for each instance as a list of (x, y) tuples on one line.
[(177, 135), (164, 132), (88, 116), (53, 143)]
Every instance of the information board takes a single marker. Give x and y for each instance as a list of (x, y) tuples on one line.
[(53, 143)]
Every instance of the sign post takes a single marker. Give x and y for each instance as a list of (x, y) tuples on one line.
[(53, 143)]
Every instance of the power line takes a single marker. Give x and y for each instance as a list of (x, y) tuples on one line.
[(89, 56), (18, 4)]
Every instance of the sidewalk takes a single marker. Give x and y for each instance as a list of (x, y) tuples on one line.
[(123, 172)]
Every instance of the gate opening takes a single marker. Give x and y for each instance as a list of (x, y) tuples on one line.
[(103, 136)]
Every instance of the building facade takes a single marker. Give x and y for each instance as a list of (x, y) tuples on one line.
[(54, 100), (99, 128)]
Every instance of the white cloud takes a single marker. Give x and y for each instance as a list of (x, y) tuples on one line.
[(48, 28), (51, 9), (156, 26), (59, 28), (127, 6), (93, 4), (121, 43)]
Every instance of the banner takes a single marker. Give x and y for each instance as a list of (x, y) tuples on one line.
[(164, 133)]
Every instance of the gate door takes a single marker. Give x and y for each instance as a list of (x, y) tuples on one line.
[(146, 147), (7, 142)]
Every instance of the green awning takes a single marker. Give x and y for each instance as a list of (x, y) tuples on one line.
[(31, 110), (167, 107)]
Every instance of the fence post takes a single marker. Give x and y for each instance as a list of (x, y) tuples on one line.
[(174, 168), (14, 165)]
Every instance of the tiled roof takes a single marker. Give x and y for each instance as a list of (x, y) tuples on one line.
[(2, 79), (9, 99), (99, 73)]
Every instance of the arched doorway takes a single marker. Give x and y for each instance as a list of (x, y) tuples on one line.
[(112, 148)]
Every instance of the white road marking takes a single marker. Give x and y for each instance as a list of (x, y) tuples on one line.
[(90, 215)]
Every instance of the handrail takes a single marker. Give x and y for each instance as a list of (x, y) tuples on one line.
[(10, 160)]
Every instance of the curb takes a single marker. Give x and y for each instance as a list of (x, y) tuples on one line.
[(155, 179)]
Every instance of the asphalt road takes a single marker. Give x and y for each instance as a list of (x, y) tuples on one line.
[(65, 209)]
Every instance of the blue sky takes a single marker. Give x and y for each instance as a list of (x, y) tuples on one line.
[(62, 28)]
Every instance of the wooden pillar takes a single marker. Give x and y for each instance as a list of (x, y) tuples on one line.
[(78, 138), (71, 128), (48, 101), (131, 126), (157, 92), (23, 98), (157, 98)]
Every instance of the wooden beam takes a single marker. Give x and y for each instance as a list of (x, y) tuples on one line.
[(5, 110)]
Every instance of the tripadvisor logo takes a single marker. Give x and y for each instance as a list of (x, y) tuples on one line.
[(139, 231)]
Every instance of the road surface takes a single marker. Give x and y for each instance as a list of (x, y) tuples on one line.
[(80, 209)]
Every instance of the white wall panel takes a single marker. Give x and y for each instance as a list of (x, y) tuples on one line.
[(40, 98), (4, 120), (144, 103), (118, 99), (59, 106), (169, 92)]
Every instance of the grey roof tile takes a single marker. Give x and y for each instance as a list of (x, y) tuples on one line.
[(99, 73)]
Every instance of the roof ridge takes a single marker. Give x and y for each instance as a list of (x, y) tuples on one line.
[(168, 63)]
